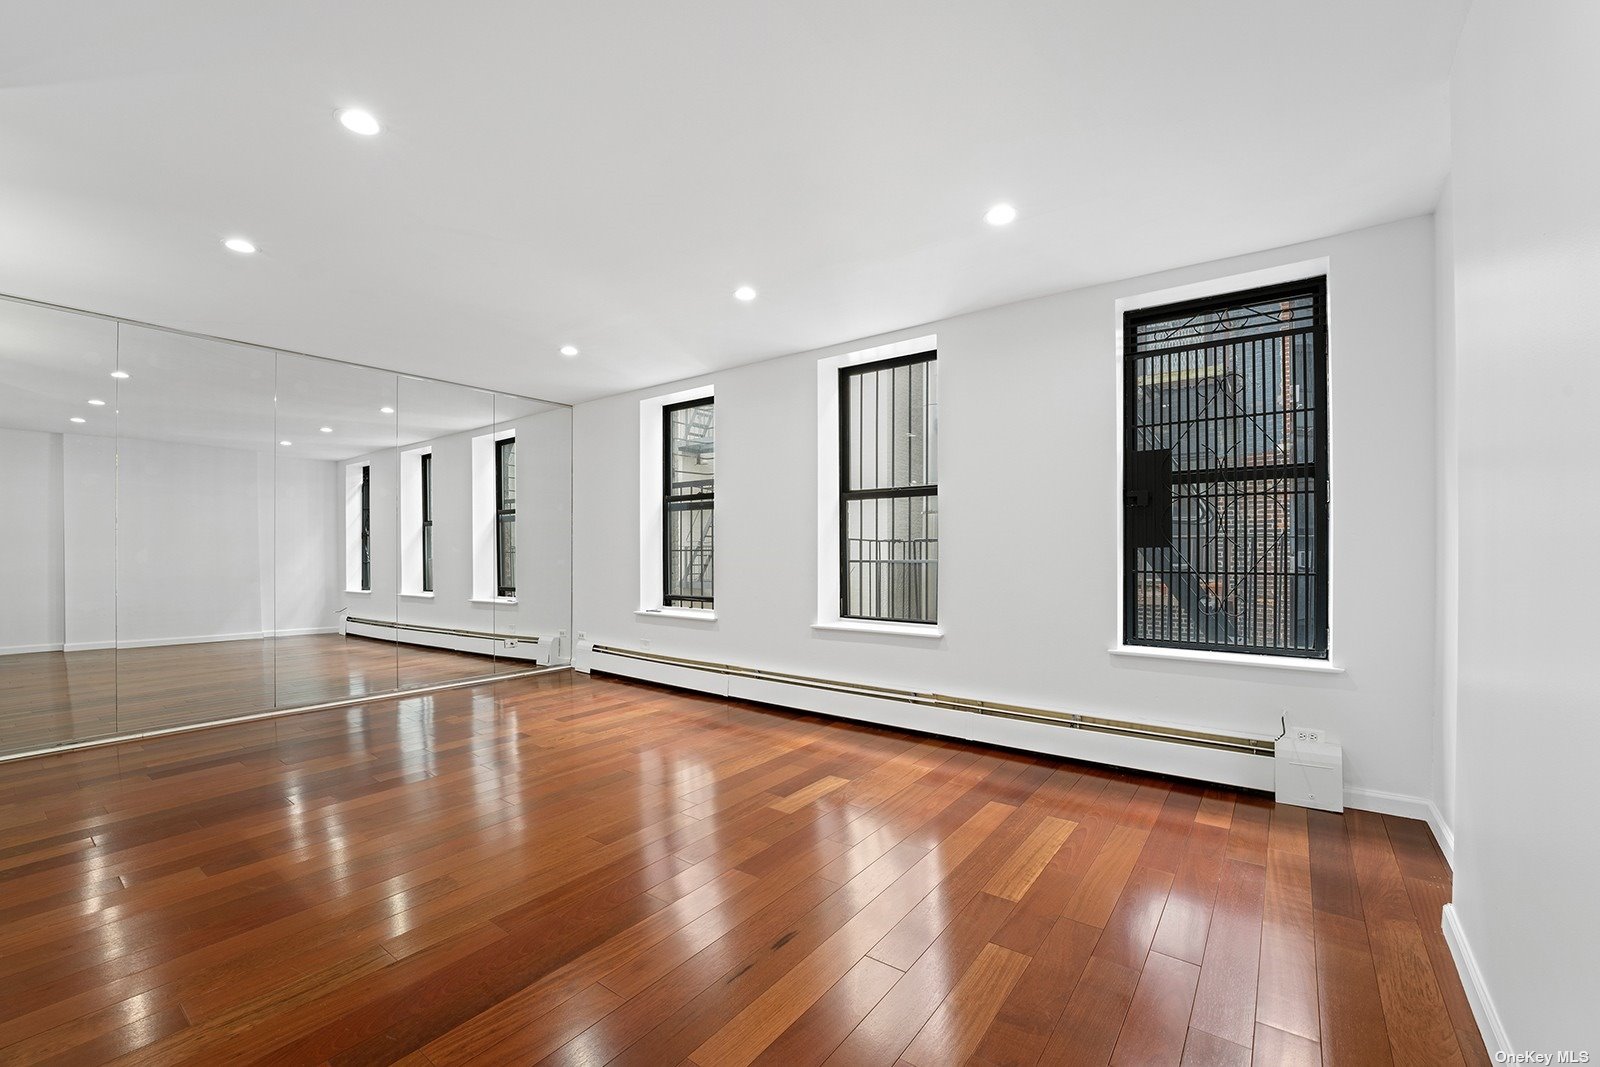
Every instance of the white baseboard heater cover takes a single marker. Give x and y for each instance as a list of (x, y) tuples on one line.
[(530, 648), (1228, 759)]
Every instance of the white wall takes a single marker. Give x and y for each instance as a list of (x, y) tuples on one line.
[(89, 492), (31, 569), (1526, 236), (1029, 498)]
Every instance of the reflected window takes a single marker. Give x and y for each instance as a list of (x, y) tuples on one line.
[(889, 490), (505, 480), (689, 504), (427, 522), (366, 529)]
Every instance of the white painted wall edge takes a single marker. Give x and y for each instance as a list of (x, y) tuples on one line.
[(1483, 1009), (202, 639), (1423, 809)]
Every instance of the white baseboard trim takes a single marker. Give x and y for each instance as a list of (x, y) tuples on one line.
[(198, 639), (1137, 753), (1407, 807), (1483, 1009), (541, 653), (23, 650)]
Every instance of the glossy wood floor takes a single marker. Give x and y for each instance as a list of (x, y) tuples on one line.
[(581, 871), (54, 697)]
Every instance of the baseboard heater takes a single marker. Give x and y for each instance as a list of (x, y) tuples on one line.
[(1232, 759), (529, 647)]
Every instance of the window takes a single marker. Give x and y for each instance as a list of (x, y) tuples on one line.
[(689, 503), (426, 460), (1225, 480), (366, 529), (889, 490), (505, 480)]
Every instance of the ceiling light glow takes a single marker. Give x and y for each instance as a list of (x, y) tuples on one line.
[(97, 403), (119, 374), (1000, 215), (744, 292), (387, 411), (286, 444), (241, 245), (325, 429), (359, 121), (569, 350), (76, 419)]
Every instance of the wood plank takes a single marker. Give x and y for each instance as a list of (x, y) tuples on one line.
[(1015, 876), (1225, 1002), (960, 1021), (1158, 1019)]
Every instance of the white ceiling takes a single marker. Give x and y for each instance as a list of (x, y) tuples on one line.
[(604, 174)]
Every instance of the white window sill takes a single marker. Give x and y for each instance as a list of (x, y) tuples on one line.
[(418, 596), (360, 592), (494, 600), (1229, 659), (865, 626), (696, 614)]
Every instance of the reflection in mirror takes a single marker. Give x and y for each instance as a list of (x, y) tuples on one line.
[(444, 632), (57, 469), (194, 529), (533, 556), (335, 505)]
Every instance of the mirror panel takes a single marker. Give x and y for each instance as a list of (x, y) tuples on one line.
[(445, 631), (194, 530), (332, 589), (57, 543), (536, 544)]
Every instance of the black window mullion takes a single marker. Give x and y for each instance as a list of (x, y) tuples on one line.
[(688, 512)]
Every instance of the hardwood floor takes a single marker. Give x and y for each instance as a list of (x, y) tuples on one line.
[(568, 870), (54, 697)]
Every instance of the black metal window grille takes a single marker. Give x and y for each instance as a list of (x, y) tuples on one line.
[(689, 491), (1225, 475), (366, 528), (889, 490), (427, 522), (505, 480)]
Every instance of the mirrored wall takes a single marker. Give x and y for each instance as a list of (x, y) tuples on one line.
[(194, 530)]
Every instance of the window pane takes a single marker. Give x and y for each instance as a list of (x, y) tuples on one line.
[(506, 564), (891, 564), (508, 474), (891, 440), (690, 556), (691, 450)]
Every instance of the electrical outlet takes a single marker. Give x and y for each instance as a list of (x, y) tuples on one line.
[(1302, 733), (511, 642)]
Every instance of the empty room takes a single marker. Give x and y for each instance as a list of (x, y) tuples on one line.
[(798, 533)]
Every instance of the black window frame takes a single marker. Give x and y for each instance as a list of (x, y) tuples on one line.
[(1148, 477), (505, 527), (671, 502), (366, 527), (846, 494), (426, 462)]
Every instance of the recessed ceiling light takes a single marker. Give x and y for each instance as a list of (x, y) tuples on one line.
[(325, 429), (356, 120), (286, 444), (240, 245), (76, 419), (744, 292), (119, 374), (387, 411), (569, 350), (1000, 215), (98, 403)]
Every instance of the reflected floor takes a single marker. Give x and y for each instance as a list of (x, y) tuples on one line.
[(48, 698)]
